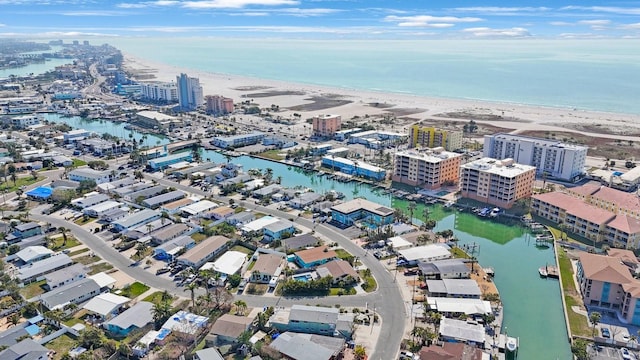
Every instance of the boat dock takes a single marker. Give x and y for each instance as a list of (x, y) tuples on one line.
[(549, 271)]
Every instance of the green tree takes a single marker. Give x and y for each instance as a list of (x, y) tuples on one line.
[(411, 207), (161, 312), (241, 306), (192, 288), (594, 318), (579, 349), (91, 338)]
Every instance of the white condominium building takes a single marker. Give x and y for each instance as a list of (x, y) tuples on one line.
[(551, 157), (160, 91), (496, 182)]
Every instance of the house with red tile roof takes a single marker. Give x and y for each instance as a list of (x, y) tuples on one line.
[(315, 256), (607, 282)]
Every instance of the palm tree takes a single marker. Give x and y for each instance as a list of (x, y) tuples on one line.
[(241, 306), (268, 175), (412, 207), (14, 178), (192, 287), (360, 352), (125, 350), (63, 231), (161, 312), (594, 318)]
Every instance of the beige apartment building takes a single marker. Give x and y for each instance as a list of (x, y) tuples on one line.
[(428, 169), (326, 126), (496, 182)]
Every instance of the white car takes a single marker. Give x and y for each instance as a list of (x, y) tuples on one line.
[(626, 355), (625, 338)]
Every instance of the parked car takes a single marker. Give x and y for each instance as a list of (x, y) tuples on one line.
[(242, 285), (626, 355), (605, 332), (163, 270)]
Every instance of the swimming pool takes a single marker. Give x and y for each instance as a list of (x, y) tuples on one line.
[(303, 277)]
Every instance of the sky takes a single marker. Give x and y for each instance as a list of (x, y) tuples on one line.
[(394, 19)]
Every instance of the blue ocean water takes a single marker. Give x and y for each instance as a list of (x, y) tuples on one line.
[(601, 75)]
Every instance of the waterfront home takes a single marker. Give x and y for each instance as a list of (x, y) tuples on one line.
[(228, 328), (348, 213), (206, 250), (165, 161), (304, 200), (278, 230), (339, 270), (313, 320), (26, 349), (455, 307), (450, 351), (308, 346), (453, 288), (445, 269), (267, 267), (241, 218), (235, 180), (452, 330), (34, 271), (159, 200), (105, 306), (606, 282), (240, 140), (426, 253), (89, 200), (266, 191), (314, 257), (87, 174), (169, 249), (139, 218), (135, 317), (170, 232), (343, 135), (354, 167), (65, 276), (30, 255), (176, 206)]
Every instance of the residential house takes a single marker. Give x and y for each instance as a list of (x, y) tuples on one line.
[(186, 323), (136, 219), (266, 191), (208, 354), (87, 174), (450, 351), (175, 206), (340, 271), (73, 293), (206, 250), (26, 349), (105, 306), (313, 257), (313, 320), (349, 212), (65, 276), (220, 213), (101, 209), (300, 242), (308, 346), (240, 218), (199, 208), (229, 327), (426, 253), (278, 230), (34, 272), (452, 330), (267, 267), (170, 249), (227, 264), (456, 307), (304, 200), (135, 317), (170, 232), (89, 200), (159, 200), (454, 288), (24, 231), (31, 254), (445, 269)]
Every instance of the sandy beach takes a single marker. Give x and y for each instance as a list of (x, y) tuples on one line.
[(311, 100)]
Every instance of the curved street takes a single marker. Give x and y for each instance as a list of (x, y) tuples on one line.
[(386, 300)]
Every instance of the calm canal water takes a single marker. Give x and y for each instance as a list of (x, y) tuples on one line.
[(37, 68), (533, 308)]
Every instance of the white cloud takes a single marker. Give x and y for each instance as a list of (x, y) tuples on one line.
[(429, 21), (605, 9), (234, 4), (249, 13), (635, 26), (58, 34), (147, 4), (307, 12), (498, 10), (94, 13), (490, 32), (561, 23), (594, 22)]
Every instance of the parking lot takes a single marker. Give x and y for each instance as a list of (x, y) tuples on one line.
[(607, 353)]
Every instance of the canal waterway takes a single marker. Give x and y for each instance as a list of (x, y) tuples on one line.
[(533, 307), (35, 68)]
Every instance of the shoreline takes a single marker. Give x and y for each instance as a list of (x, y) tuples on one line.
[(406, 108)]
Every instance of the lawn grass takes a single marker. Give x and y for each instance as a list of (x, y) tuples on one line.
[(341, 291), (241, 249), (577, 322), (154, 298), (371, 282), (272, 154), (78, 162), (58, 243), (98, 268), (343, 254), (198, 237), (84, 220), (79, 251), (24, 181), (134, 290), (33, 289), (87, 259), (459, 253), (251, 265), (61, 345)]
